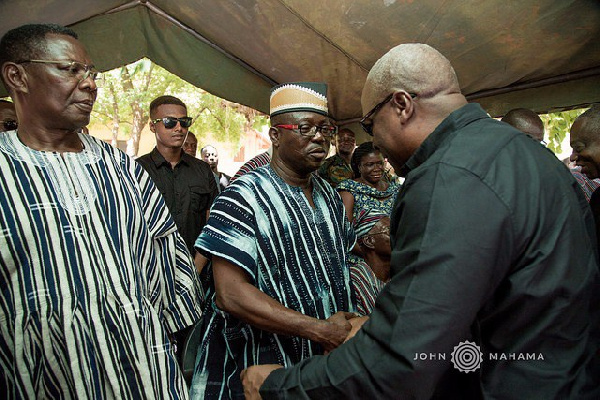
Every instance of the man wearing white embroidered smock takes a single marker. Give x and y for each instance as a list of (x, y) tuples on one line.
[(94, 275), (278, 238)]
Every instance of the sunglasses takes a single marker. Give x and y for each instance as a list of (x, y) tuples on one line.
[(10, 125), (171, 122), (366, 122)]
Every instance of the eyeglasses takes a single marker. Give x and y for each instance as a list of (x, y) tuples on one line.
[(383, 231), (366, 122), (78, 70), (10, 125), (171, 122), (327, 131)]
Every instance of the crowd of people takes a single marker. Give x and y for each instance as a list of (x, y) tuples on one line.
[(303, 275)]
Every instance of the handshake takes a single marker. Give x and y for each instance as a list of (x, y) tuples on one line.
[(337, 329)]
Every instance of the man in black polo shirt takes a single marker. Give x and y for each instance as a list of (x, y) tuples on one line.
[(186, 183)]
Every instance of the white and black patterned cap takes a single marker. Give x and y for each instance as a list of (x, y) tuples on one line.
[(299, 96)]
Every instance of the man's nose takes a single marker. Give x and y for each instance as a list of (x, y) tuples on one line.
[(573, 157), (319, 137)]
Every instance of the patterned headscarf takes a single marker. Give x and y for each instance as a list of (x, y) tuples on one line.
[(365, 221)]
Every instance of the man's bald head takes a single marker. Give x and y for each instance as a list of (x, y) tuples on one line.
[(589, 121), (585, 142), (414, 67), (526, 121)]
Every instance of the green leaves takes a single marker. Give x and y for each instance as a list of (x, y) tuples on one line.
[(557, 126), (123, 105)]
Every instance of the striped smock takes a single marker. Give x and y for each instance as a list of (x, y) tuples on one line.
[(294, 253), (93, 277), (258, 161)]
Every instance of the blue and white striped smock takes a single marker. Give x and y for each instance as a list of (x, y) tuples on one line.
[(93, 277), (291, 252)]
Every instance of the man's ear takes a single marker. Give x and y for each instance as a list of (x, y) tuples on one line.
[(274, 136), (403, 105), (15, 77), (152, 127), (368, 242)]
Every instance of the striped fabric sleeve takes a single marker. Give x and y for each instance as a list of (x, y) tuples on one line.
[(259, 161), (588, 186), (175, 288), (230, 231)]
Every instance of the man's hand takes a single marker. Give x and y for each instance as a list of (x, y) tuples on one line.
[(253, 377), (335, 330), (356, 323)]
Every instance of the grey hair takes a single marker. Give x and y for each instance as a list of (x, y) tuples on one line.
[(415, 67)]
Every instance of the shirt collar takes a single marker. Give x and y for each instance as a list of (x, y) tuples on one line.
[(456, 120), (159, 160)]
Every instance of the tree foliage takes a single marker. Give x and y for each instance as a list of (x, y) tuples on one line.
[(557, 126), (124, 99)]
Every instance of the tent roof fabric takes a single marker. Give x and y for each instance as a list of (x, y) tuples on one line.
[(539, 54)]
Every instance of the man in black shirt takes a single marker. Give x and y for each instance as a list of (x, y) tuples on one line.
[(186, 183), (494, 272)]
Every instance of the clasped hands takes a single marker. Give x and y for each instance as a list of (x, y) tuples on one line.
[(335, 330)]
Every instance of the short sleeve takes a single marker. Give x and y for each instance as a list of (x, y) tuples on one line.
[(231, 230)]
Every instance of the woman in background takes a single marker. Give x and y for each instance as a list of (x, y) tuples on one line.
[(370, 191)]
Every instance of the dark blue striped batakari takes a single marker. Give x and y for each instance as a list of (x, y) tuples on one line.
[(93, 277), (294, 253)]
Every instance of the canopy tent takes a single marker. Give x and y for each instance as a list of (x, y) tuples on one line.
[(539, 54)]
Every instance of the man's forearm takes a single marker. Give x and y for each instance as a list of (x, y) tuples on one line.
[(254, 307), (237, 296)]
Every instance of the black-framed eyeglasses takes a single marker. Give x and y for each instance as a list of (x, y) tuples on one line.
[(171, 122), (78, 70), (366, 122), (327, 131), (10, 124)]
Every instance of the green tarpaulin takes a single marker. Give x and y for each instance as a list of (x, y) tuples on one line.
[(539, 54)]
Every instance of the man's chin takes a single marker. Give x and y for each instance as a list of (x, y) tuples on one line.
[(590, 173)]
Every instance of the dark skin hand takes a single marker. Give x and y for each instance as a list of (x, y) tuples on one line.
[(237, 296), (253, 377)]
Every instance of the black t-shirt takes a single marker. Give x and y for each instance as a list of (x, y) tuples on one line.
[(188, 189)]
